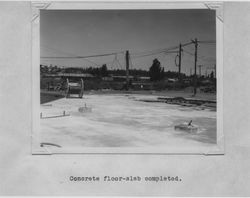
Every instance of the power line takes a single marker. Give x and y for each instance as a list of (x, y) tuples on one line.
[(187, 52), (70, 54), (159, 51), (199, 57), (165, 52), (186, 44), (134, 55), (79, 57), (153, 51), (207, 42), (92, 62)]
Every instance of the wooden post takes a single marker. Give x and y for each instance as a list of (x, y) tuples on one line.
[(127, 69)]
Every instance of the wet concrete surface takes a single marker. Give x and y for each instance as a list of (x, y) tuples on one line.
[(121, 120)]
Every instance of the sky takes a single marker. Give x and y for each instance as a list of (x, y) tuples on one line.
[(65, 33)]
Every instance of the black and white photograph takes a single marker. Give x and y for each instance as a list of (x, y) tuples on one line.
[(124, 98), (128, 79)]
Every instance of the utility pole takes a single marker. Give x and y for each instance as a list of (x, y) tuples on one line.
[(127, 69), (195, 65), (180, 50)]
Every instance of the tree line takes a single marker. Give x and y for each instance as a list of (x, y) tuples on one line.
[(156, 71)]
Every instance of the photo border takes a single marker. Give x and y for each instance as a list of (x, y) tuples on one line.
[(218, 149)]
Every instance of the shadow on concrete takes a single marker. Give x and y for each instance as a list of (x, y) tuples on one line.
[(48, 96)]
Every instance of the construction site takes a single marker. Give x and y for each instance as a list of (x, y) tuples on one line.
[(151, 98)]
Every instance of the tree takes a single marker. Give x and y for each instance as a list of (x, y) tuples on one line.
[(104, 70), (156, 72), (212, 75)]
